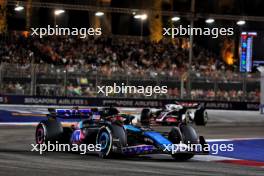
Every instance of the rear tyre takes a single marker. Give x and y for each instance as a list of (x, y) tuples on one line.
[(41, 134), (48, 130), (201, 117), (189, 136), (66, 135)]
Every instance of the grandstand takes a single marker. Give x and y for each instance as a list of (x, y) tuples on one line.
[(79, 65), (74, 66)]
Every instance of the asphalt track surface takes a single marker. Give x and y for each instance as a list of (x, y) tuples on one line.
[(17, 159)]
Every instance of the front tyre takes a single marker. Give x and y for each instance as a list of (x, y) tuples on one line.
[(188, 136), (145, 117), (182, 156), (105, 139)]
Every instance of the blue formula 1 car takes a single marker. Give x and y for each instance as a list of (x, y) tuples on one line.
[(116, 134)]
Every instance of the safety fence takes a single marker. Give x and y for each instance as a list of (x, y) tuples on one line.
[(83, 81)]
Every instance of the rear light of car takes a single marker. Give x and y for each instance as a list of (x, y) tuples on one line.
[(171, 119)]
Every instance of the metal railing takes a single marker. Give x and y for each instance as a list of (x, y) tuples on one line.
[(49, 80)]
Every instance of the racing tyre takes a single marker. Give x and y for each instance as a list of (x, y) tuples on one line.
[(118, 132), (145, 117), (48, 130), (201, 117), (105, 139), (189, 136), (66, 135), (175, 135)]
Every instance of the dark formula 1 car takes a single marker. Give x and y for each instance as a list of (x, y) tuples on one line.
[(172, 114), (116, 134)]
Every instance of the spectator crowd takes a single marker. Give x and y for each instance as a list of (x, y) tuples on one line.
[(112, 55), (108, 54)]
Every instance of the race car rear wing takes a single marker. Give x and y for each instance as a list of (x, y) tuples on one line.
[(72, 113)]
